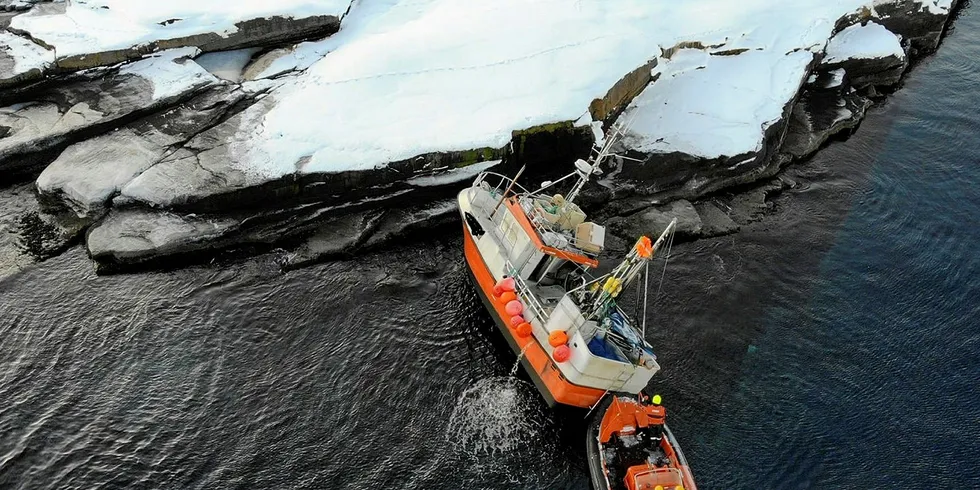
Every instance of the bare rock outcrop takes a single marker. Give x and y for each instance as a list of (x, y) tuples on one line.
[(35, 130)]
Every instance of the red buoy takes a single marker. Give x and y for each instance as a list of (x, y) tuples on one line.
[(562, 353), (513, 307), (524, 330), (516, 320)]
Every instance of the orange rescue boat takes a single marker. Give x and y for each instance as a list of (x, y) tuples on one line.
[(630, 447)]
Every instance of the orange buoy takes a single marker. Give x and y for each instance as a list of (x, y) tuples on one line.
[(513, 307), (516, 320), (524, 330), (562, 353), (558, 337), (644, 248), (507, 297)]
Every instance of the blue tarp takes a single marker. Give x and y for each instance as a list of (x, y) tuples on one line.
[(600, 348)]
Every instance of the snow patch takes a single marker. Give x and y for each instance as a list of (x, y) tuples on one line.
[(714, 106), (171, 72), (598, 134), (936, 7), (90, 26), (376, 98), (366, 18), (836, 78), (868, 41), (453, 176), (403, 78), (27, 55)]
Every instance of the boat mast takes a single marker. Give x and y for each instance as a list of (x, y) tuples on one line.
[(599, 298), (586, 169)]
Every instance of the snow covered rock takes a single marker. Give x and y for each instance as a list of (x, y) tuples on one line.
[(922, 22), (869, 53), (373, 101), (203, 175), (716, 115), (21, 60), (410, 95), (92, 33), (93, 103), (18, 5), (711, 120)]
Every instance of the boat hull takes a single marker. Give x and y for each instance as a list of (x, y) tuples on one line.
[(540, 368)]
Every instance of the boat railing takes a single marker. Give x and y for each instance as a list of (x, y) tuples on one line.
[(504, 182), (528, 198), (541, 225), (524, 293), (575, 244)]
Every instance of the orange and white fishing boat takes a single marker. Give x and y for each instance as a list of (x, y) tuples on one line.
[(532, 257)]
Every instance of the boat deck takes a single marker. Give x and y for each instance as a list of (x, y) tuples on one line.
[(547, 296)]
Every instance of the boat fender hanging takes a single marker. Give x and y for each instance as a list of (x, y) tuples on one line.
[(497, 290), (562, 353), (524, 330), (558, 337), (514, 307), (507, 297), (516, 320)]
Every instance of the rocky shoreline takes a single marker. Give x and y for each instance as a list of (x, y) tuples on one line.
[(132, 158)]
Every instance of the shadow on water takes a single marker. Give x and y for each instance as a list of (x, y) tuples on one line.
[(834, 342), (839, 350)]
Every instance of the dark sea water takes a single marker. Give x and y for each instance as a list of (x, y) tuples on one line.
[(834, 344)]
